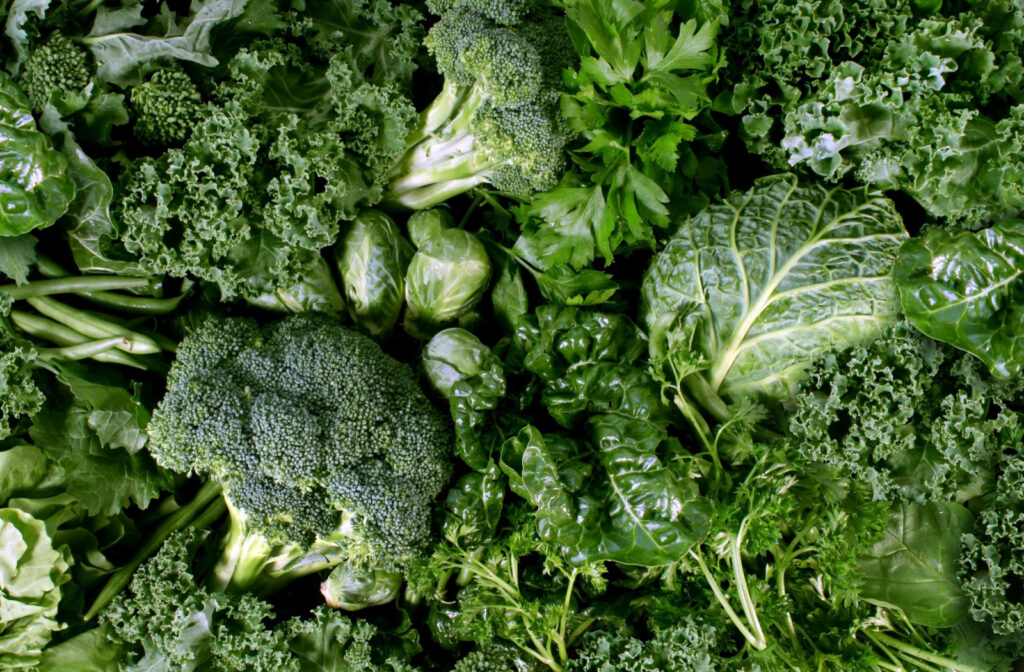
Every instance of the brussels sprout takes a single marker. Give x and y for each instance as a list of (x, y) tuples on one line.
[(316, 291), (446, 277), (371, 257), (423, 224), (352, 587)]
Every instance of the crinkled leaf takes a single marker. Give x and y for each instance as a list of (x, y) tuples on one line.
[(34, 187), (613, 499), (588, 362), (914, 565), (31, 572), (968, 290), (763, 282)]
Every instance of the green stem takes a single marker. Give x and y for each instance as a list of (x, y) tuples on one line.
[(74, 285), (563, 621), (724, 601), (174, 522), (122, 302), (746, 602), (919, 653)]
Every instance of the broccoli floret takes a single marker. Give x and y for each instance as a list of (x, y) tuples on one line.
[(321, 440), (497, 118), (167, 106), (56, 66)]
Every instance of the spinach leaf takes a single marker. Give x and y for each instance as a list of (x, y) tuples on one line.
[(968, 290), (914, 565), (762, 283)]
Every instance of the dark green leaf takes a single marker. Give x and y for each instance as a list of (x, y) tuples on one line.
[(968, 290)]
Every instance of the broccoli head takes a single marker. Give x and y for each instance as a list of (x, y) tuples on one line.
[(315, 433), (497, 119), (167, 106), (56, 66)]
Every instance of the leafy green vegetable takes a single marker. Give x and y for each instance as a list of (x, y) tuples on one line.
[(470, 376), (913, 567), (759, 285), (31, 573), (899, 98), (613, 498), (968, 290), (642, 79), (36, 187), (907, 418)]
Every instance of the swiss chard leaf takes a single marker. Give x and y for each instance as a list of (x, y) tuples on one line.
[(760, 284), (614, 499), (914, 565), (968, 290), (34, 187)]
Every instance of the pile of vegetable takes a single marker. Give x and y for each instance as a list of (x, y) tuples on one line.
[(512, 336)]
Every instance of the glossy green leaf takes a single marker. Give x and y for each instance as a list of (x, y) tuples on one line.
[(35, 189), (968, 290), (762, 283), (914, 565), (610, 499)]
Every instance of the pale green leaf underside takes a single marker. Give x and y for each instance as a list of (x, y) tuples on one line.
[(762, 283)]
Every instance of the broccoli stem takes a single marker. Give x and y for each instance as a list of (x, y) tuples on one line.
[(442, 158), (178, 520), (242, 558)]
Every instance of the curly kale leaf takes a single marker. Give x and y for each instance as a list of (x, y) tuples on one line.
[(293, 140), (908, 418), (930, 103)]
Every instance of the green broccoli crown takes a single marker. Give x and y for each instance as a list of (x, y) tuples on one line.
[(498, 119), (57, 65), (306, 422), (503, 12), (167, 106), (513, 64)]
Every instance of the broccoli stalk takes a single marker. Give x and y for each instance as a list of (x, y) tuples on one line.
[(496, 120), (250, 563)]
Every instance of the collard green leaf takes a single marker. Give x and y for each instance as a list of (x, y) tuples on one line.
[(92, 233), (914, 565), (34, 187), (762, 283), (612, 499), (968, 290), (119, 53)]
